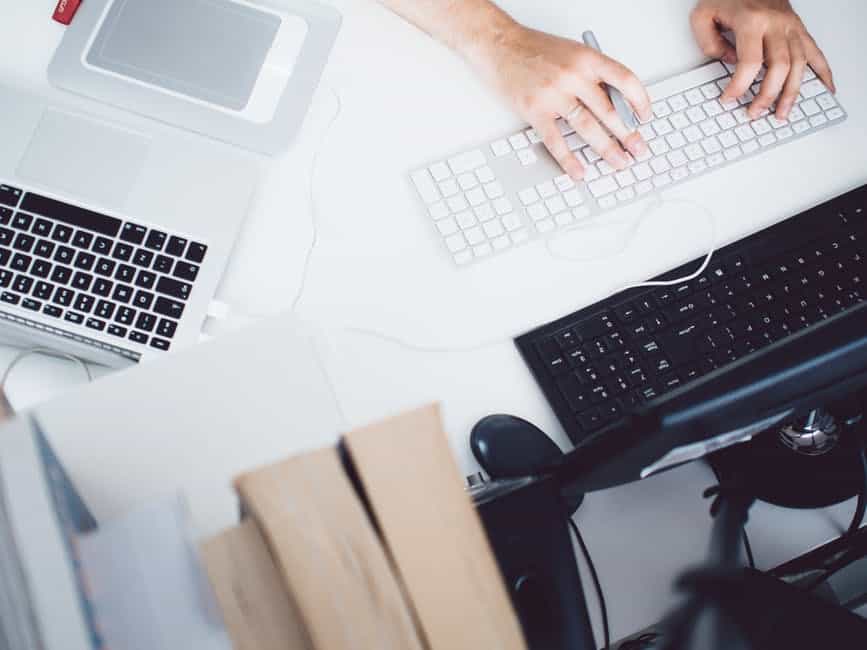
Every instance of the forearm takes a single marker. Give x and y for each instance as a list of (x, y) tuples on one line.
[(469, 27)]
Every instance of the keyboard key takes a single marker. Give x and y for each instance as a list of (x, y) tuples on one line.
[(95, 324), (102, 246), (126, 315), (82, 281), (6, 236), (138, 337), (10, 298), (104, 267), (125, 273), (9, 195), (43, 290), (61, 234), (196, 252), (64, 255), (84, 303), (187, 271), (146, 279), (5, 256), (82, 239), (102, 287), (117, 330), (143, 299), (122, 293), (22, 221), (40, 268), (22, 284), (122, 252), (143, 258), (51, 310), (5, 215), (167, 328), (73, 317), (61, 274), (84, 261), (5, 278), (63, 297), (104, 309), (163, 264), (42, 228), (43, 248), (20, 262), (160, 344), (133, 234), (155, 240)]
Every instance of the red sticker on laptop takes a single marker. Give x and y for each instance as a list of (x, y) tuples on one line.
[(65, 11)]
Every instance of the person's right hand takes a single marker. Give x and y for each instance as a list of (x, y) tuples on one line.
[(545, 77)]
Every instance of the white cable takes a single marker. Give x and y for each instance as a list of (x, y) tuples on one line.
[(23, 354)]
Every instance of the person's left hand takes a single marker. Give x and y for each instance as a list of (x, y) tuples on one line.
[(766, 31)]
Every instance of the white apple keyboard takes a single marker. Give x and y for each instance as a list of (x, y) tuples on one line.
[(508, 192)]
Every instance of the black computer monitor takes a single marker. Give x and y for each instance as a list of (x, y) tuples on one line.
[(818, 365)]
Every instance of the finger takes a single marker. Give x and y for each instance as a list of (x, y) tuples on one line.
[(816, 59), (597, 100), (750, 59), (796, 75), (588, 127), (709, 39), (557, 147), (619, 76), (779, 65)]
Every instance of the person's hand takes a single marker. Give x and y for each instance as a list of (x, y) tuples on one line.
[(546, 77), (765, 31)]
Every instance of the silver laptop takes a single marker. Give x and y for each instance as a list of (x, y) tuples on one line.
[(114, 230)]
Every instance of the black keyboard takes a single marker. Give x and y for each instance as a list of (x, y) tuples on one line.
[(94, 272), (602, 362)]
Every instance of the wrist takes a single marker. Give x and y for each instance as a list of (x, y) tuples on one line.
[(485, 28)]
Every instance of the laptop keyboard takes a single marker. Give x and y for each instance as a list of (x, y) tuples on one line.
[(92, 271), (603, 362)]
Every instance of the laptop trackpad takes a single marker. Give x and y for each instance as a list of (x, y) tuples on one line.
[(85, 158)]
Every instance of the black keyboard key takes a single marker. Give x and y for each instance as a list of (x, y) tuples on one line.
[(20, 262), (84, 261), (550, 353), (51, 310), (95, 324), (156, 240), (6, 236), (125, 273), (63, 297), (187, 271), (167, 328), (591, 420), (574, 392), (122, 293), (44, 248), (174, 309), (82, 239), (43, 290), (102, 246), (627, 313), (22, 221), (117, 330), (133, 234), (146, 322), (138, 337), (596, 327), (105, 267), (104, 309), (163, 264), (102, 287), (173, 288), (5, 256), (40, 268), (22, 284), (125, 316), (196, 252), (64, 255), (84, 303), (9, 195), (566, 339), (176, 246), (143, 258), (5, 278), (143, 299), (82, 281), (32, 305), (72, 317), (42, 227), (61, 234), (160, 344), (145, 279), (70, 214), (61, 274), (24, 242), (5, 216), (10, 298), (122, 252)]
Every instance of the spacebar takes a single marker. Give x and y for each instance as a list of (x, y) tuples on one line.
[(70, 214), (683, 82)]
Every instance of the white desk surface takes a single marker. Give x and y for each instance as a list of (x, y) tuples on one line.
[(406, 100)]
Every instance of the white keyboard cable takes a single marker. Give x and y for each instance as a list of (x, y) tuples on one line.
[(28, 352)]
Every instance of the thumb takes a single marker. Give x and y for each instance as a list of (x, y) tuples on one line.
[(709, 38)]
